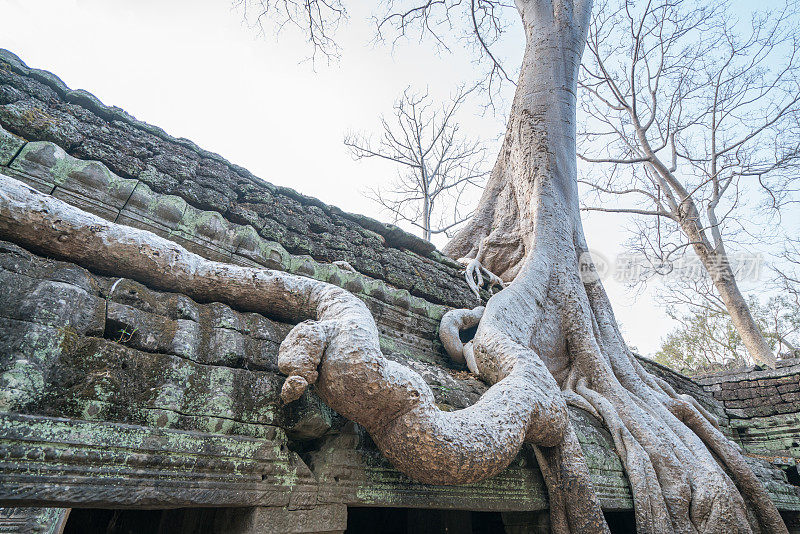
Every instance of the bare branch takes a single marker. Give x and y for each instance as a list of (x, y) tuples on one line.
[(628, 210), (480, 24), (436, 165), (318, 20)]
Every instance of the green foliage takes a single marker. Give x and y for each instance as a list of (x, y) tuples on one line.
[(706, 340)]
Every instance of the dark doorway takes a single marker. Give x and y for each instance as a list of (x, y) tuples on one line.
[(621, 522), (179, 521), (421, 521), (359, 521)]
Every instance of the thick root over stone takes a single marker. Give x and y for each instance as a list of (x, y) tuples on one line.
[(685, 475), (452, 323), (337, 350)]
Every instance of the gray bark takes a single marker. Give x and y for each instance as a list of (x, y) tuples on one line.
[(527, 229)]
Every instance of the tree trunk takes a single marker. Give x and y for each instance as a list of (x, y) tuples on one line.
[(742, 319), (718, 266), (426, 217), (527, 229)]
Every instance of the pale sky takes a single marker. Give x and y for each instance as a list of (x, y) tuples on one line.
[(192, 68)]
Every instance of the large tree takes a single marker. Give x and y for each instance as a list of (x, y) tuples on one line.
[(547, 340), (691, 126), (528, 228)]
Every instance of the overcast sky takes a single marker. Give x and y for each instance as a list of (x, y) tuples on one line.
[(193, 68)]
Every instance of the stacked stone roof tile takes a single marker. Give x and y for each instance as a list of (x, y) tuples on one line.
[(763, 406)]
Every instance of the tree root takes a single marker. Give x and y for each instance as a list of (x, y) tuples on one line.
[(670, 445), (477, 276), (665, 440), (452, 323), (337, 350)]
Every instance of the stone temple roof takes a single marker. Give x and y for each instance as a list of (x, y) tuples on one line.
[(116, 395)]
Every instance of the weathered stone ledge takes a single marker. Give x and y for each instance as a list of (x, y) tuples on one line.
[(763, 405), (46, 460), (783, 368)]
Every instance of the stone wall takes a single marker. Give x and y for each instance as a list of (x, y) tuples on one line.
[(764, 408)]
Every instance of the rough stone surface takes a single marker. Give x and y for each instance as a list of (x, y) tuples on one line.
[(10, 144), (764, 408)]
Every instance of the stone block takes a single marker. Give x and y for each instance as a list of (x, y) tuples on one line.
[(38, 163), (9, 146)]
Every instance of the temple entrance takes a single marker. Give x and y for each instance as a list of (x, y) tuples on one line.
[(420, 521), (360, 520)]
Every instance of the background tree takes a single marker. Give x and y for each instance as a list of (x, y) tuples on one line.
[(787, 271), (707, 341), (437, 165), (547, 340), (693, 122)]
